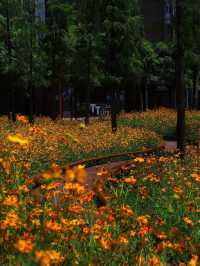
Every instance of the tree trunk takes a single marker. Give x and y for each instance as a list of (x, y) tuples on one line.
[(71, 103), (87, 111), (31, 101), (114, 111), (11, 90), (61, 101), (13, 111), (180, 88), (141, 101), (195, 89), (30, 82), (87, 114), (146, 98)]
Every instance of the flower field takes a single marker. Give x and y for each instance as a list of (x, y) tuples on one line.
[(163, 122), (152, 215), (62, 142)]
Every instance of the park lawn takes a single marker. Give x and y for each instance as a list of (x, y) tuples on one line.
[(163, 122)]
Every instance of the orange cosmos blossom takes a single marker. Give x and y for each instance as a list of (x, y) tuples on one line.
[(53, 226), (24, 246), (88, 197), (69, 175), (126, 210), (154, 261), (11, 201), (47, 257), (161, 235), (194, 260), (81, 174), (74, 187), (75, 208), (196, 177), (188, 221), (130, 180), (143, 220), (12, 220), (22, 118)]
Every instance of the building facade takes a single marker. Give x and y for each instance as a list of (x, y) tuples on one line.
[(158, 19)]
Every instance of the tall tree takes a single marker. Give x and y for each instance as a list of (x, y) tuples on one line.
[(180, 87), (120, 21), (86, 57), (60, 18), (192, 42), (9, 12)]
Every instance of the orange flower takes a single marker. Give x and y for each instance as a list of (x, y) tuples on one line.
[(74, 187), (161, 235), (105, 243), (88, 197), (75, 208), (188, 221), (178, 190), (24, 246), (126, 210), (154, 261), (144, 230), (81, 174), (22, 118), (130, 180), (45, 258), (123, 240), (69, 175), (194, 260), (143, 220), (53, 226), (11, 201), (196, 177), (12, 220)]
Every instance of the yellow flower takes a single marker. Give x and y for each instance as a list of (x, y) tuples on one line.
[(82, 125), (18, 139), (139, 160)]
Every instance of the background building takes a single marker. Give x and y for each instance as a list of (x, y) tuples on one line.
[(158, 19)]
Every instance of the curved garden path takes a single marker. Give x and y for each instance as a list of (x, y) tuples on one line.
[(112, 167)]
